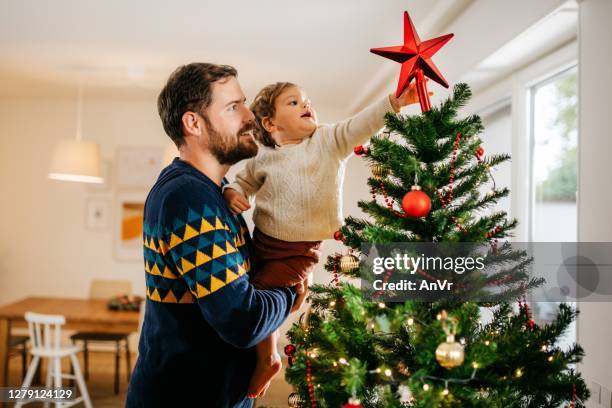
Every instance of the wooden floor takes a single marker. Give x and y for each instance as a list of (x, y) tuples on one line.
[(101, 380)]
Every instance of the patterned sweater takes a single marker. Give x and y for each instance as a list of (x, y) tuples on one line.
[(202, 315), (298, 187)]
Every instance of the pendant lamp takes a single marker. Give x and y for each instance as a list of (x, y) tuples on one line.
[(76, 159)]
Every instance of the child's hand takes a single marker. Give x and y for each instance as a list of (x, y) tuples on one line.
[(236, 201), (408, 97), (301, 289)]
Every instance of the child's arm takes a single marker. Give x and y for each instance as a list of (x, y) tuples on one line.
[(358, 129), (237, 194)]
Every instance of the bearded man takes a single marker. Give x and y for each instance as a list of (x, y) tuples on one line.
[(202, 316)]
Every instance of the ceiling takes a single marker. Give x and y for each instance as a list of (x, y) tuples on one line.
[(129, 48), (132, 46)]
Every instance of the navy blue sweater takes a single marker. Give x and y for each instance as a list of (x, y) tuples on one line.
[(202, 315)]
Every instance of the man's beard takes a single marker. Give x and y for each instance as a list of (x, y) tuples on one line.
[(231, 149)]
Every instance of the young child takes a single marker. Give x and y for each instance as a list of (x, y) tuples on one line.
[(296, 179)]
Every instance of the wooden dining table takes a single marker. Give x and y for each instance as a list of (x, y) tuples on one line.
[(80, 314)]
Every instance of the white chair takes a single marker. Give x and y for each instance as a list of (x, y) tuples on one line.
[(45, 338)]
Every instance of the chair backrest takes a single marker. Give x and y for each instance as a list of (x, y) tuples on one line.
[(45, 330), (107, 289)]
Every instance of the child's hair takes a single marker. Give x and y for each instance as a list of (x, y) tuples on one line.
[(263, 106)]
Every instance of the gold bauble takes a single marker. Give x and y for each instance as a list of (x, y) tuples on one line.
[(295, 401), (403, 369), (349, 263), (379, 171), (450, 354)]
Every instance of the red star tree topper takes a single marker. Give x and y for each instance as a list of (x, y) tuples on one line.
[(415, 57)]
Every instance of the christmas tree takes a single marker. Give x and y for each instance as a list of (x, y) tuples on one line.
[(360, 347), (352, 350)]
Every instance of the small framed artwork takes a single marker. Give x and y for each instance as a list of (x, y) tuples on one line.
[(97, 217), (129, 213), (138, 167)]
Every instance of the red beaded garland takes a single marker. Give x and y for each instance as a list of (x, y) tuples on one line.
[(336, 279), (524, 308), (388, 201), (313, 403), (573, 402)]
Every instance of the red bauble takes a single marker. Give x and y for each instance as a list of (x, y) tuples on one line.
[(416, 204), (479, 151), (415, 57), (290, 353), (353, 403), (360, 150), (338, 236), (290, 350)]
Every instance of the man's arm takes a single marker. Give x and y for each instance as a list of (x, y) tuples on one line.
[(208, 258), (242, 315)]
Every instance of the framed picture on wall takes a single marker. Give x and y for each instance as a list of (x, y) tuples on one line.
[(138, 167), (129, 212), (98, 214)]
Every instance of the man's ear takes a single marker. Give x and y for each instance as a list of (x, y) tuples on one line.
[(191, 124), (267, 124)]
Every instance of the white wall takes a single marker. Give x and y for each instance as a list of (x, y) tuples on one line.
[(45, 248), (497, 139), (594, 221)]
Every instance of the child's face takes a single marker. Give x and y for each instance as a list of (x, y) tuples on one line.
[(294, 117)]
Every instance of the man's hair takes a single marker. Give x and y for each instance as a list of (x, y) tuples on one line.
[(263, 106), (188, 90)]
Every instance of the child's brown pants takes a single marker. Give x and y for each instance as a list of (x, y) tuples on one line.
[(280, 263)]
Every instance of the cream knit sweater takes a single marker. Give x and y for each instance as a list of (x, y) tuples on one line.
[(298, 187)]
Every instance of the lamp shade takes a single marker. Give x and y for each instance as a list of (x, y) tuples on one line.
[(76, 160)]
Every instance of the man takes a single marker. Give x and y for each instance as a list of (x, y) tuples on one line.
[(202, 315)]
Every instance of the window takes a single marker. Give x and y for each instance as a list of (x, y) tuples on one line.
[(553, 172), (553, 215)]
